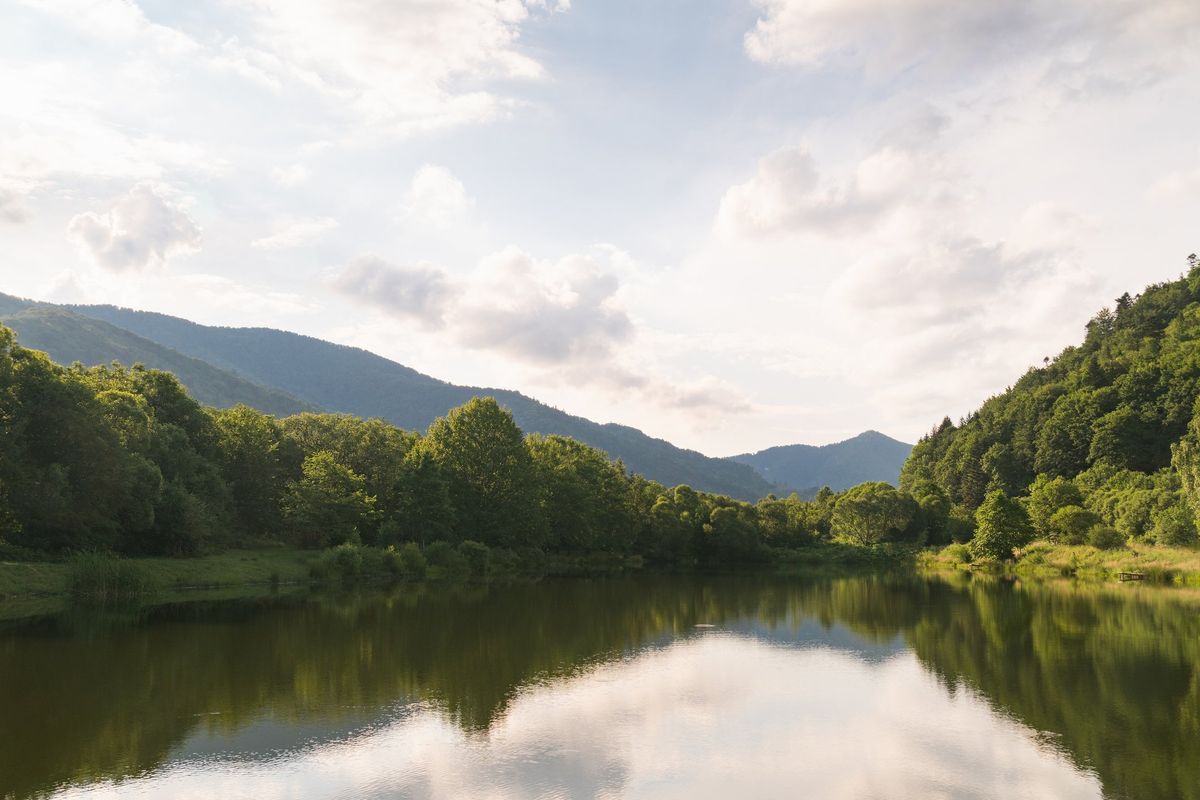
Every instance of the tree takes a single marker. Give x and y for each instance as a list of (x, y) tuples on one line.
[(327, 505), (248, 444), (934, 507), (1001, 524), (1048, 495), (871, 513), (584, 496), (482, 452), (731, 536), (1070, 524), (426, 512)]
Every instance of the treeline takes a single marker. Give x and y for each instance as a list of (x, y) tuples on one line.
[(122, 460), (1101, 444)]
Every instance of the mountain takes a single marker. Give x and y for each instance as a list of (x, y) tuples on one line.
[(310, 373), (1110, 425), (68, 337), (870, 456)]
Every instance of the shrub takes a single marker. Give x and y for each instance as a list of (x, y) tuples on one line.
[(477, 556), (450, 561), (342, 563), (412, 560), (1071, 524), (1174, 526), (504, 562), (958, 553), (1104, 537)]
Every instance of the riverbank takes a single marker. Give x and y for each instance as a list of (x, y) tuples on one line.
[(262, 567), (1041, 559)]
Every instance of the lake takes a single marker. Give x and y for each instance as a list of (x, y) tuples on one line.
[(653, 687)]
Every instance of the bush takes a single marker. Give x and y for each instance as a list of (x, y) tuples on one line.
[(958, 553), (1071, 524), (1174, 526), (412, 560), (342, 563), (1103, 537), (451, 562), (504, 562), (477, 556), (102, 578)]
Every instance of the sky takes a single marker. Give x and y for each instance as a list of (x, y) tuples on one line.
[(730, 223)]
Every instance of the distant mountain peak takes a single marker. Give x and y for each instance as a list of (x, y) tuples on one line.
[(868, 456)]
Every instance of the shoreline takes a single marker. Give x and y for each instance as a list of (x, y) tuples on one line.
[(245, 570)]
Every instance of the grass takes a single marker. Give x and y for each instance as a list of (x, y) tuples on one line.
[(1174, 565), (102, 578), (233, 568)]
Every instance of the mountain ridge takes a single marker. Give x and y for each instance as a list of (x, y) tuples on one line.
[(868, 456), (340, 378)]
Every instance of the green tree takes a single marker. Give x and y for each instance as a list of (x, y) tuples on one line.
[(1070, 524), (1001, 524), (327, 505), (482, 452), (1046, 496), (871, 513), (248, 444), (585, 497)]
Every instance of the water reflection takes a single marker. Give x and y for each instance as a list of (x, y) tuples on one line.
[(861, 687)]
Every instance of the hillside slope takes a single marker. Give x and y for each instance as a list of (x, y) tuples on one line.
[(68, 337), (870, 456), (346, 379), (1110, 425)]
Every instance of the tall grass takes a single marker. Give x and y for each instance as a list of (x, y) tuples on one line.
[(103, 578)]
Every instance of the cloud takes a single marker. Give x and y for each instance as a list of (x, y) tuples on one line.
[(143, 229), (291, 176), (1075, 43), (408, 65), (296, 233), (564, 319), (436, 197), (787, 193), (12, 206), (420, 293), (543, 312), (971, 313)]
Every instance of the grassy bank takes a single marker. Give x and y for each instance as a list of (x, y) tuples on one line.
[(232, 568), (1172, 565)]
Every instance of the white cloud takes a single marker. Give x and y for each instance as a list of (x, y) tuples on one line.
[(12, 206), (143, 229), (688, 723), (786, 193), (296, 233), (421, 293), (563, 319), (436, 198), (406, 65), (1080, 45), (541, 311), (291, 176)]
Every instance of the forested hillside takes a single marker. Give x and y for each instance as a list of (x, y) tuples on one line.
[(1104, 435), (870, 456), (122, 459), (333, 377), (68, 337)]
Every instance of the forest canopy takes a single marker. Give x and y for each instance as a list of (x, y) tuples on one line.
[(1107, 434), (122, 459)]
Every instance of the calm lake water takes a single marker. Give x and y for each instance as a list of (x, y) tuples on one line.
[(677, 687)]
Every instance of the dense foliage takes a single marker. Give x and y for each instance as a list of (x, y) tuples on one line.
[(1106, 436), (284, 373), (122, 459)]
